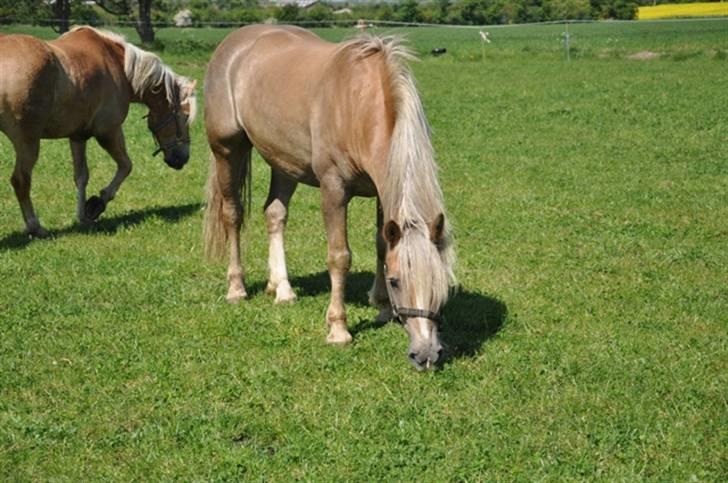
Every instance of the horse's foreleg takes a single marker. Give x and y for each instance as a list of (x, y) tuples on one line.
[(80, 175), (276, 215), (115, 145), (378, 294), (26, 155), (334, 200)]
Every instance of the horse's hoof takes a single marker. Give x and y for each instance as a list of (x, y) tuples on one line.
[(235, 296), (284, 293), (338, 336), (94, 207), (38, 232)]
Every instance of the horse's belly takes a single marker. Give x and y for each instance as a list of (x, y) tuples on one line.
[(56, 131), (293, 166)]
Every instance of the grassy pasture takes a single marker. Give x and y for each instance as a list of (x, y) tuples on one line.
[(589, 339)]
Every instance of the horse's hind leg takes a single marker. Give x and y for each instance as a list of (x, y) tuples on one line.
[(276, 215), (80, 176), (232, 162), (26, 155)]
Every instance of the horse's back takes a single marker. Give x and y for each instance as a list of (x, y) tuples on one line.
[(261, 81), (257, 59), (54, 89)]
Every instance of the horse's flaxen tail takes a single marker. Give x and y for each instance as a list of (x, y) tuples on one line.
[(218, 208)]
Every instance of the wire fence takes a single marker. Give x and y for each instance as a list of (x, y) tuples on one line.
[(342, 23)]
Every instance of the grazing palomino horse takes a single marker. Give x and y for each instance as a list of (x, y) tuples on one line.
[(348, 119), (79, 86)]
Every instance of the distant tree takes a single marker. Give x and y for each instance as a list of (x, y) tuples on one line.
[(570, 9), (288, 13), (442, 7), (143, 24), (408, 12), (385, 13), (319, 13), (12, 11), (474, 12), (61, 15)]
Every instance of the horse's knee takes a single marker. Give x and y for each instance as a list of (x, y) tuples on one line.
[(339, 259), (275, 217)]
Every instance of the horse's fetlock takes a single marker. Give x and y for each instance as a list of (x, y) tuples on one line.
[(106, 195)]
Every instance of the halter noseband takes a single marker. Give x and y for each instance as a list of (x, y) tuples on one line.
[(178, 138), (403, 313)]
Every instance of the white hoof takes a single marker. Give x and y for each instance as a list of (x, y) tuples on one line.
[(338, 336), (284, 293), (235, 295)]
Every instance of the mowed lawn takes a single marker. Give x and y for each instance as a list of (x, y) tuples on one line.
[(588, 339)]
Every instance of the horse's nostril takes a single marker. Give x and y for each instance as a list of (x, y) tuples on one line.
[(413, 356)]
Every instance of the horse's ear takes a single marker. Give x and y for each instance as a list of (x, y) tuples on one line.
[(187, 88), (437, 229), (392, 233), (191, 86)]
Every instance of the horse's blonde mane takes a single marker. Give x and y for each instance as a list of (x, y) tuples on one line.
[(146, 71), (412, 196)]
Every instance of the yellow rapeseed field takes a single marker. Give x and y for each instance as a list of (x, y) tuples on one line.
[(712, 9)]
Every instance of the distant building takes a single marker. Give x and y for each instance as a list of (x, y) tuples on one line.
[(183, 18), (300, 3)]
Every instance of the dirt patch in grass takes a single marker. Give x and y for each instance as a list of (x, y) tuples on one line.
[(644, 55)]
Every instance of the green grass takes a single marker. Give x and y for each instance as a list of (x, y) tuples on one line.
[(589, 340)]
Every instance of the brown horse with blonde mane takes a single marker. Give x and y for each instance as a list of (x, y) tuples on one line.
[(346, 118), (79, 86)]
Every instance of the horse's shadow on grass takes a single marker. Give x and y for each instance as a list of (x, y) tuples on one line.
[(106, 226), (470, 318)]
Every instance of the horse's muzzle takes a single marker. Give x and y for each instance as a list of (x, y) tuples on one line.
[(177, 157), (425, 357)]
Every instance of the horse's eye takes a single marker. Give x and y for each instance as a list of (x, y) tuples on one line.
[(394, 282)]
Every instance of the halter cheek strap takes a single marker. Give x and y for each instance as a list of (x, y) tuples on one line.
[(178, 138)]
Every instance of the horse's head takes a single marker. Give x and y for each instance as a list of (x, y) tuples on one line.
[(169, 119), (418, 271)]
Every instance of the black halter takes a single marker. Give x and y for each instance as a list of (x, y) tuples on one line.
[(403, 313), (178, 138)]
